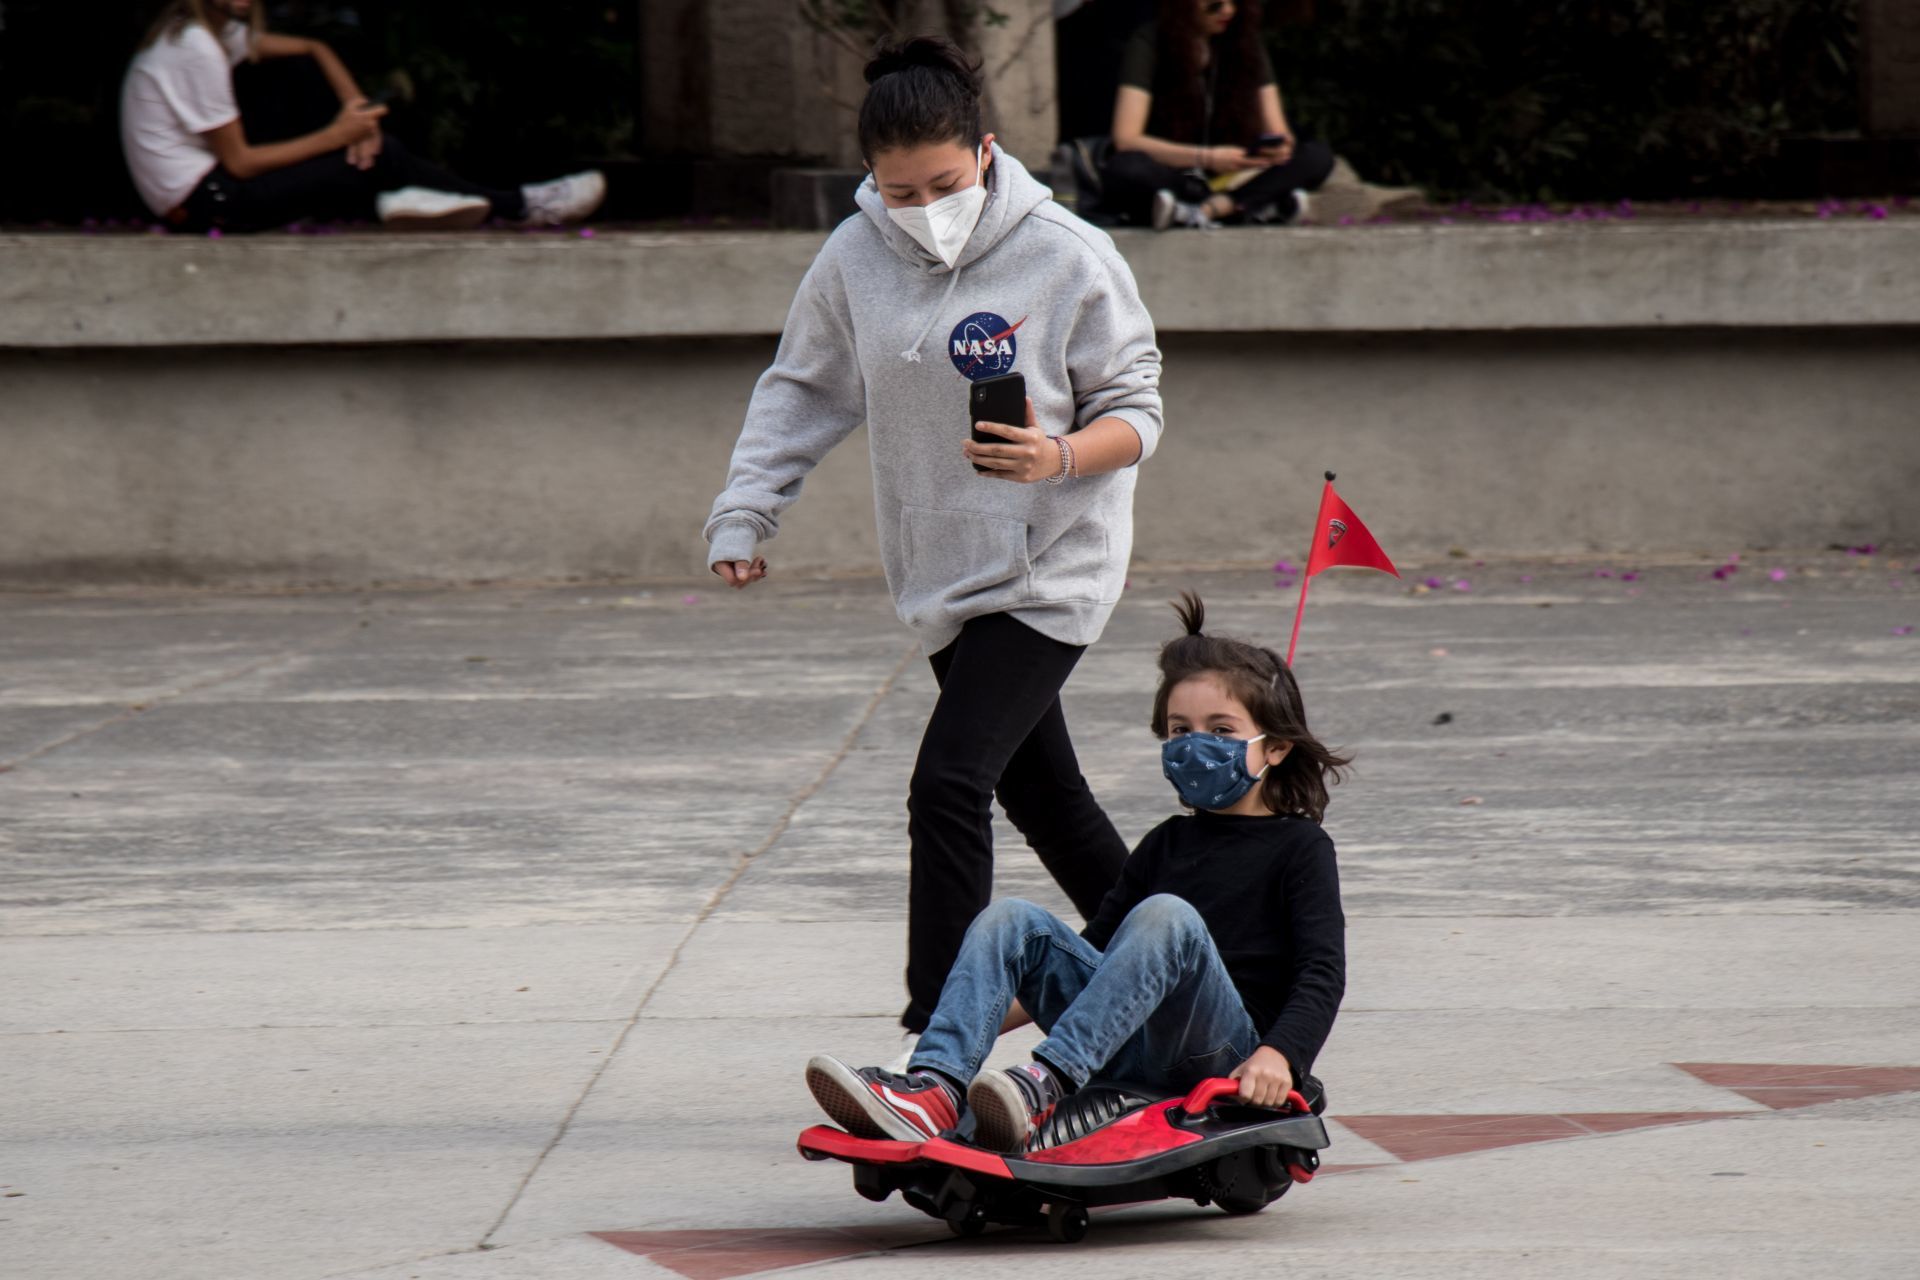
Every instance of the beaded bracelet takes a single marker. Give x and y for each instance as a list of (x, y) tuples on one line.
[(1066, 460)]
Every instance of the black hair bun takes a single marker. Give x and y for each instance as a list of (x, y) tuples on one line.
[(937, 53), (1193, 614)]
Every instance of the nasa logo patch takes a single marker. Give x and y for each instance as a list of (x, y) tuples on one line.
[(983, 345)]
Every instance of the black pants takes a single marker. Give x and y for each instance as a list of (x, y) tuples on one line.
[(997, 730), (287, 98), (1131, 178)]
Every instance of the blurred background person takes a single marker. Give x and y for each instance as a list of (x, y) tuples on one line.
[(309, 144), (1200, 135)]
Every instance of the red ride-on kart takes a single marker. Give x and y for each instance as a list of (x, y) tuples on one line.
[(1106, 1144)]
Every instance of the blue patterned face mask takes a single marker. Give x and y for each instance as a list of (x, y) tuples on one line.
[(1209, 771)]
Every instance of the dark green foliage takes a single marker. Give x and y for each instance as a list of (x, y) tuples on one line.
[(1559, 99), (499, 91)]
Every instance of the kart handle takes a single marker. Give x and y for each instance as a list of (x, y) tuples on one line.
[(1207, 1092)]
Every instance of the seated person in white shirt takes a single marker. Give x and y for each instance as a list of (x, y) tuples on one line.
[(186, 143)]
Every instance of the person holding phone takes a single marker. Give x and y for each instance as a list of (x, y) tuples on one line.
[(1004, 554), (202, 164), (1200, 136)]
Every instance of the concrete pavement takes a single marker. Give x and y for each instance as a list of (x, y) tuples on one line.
[(429, 935)]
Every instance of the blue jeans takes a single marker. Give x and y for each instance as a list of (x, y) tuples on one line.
[(1155, 1009)]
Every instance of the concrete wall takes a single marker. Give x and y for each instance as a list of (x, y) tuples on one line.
[(445, 408), (462, 461), (78, 291)]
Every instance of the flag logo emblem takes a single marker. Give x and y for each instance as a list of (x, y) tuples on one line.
[(1336, 530)]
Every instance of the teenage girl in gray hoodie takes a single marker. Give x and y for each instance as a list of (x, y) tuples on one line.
[(958, 267)]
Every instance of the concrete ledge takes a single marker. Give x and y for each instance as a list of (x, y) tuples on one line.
[(73, 291)]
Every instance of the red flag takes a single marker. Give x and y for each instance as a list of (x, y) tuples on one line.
[(1338, 538)]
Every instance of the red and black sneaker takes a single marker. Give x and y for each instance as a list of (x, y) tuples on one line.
[(875, 1103), (1010, 1106)]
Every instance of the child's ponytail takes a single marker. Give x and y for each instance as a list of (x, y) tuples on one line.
[(1262, 682)]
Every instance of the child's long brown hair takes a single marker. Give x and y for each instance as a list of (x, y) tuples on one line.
[(1262, 683)]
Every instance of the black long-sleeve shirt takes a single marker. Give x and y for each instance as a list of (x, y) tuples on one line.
[(1269, 892)]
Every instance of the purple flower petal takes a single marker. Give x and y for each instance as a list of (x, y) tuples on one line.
[(1903, 631), (1603, 573), (1434, 583), (586, 233), (1778, 575), (689, 599), (1284, 566), (213, 233), (1462, 584), (1630, 576), (1526, 577)]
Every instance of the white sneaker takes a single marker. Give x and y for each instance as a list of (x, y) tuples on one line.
[(1268, 215), (564, 200), (421, 209), (1171, 212)]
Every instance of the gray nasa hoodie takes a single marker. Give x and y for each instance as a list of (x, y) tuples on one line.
[(883, 332)]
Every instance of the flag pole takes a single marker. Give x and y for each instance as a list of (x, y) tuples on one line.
[(1306, 571), (1298, 610)]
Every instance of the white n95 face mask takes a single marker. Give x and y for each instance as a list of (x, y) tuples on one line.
[(943, 227)]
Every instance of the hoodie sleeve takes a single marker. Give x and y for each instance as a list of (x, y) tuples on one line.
[(1112, 356), (809, 400)]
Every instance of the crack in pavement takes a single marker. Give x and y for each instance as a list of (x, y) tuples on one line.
[(718, 896)]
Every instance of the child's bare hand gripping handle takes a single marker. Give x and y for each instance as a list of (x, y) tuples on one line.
[(1264, 1078)]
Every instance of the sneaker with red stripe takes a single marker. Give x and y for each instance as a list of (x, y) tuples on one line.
[(876, 1103)]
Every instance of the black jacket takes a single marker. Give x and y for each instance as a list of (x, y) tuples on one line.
[(1270, 894)]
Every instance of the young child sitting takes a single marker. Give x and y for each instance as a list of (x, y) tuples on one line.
[(1220, 952)]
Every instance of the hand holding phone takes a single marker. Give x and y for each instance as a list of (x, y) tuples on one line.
[(1001, 399), (1278, 146)]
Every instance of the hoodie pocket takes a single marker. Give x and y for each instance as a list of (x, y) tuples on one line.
[(1076, 568), (951, 555)]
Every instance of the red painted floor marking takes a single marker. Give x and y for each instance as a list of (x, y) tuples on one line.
[(1622, 1121), (1785, 1085), (1429, 1137), (746, 1251)]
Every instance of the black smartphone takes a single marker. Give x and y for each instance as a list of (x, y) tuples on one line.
[(1268, 141), (1000, 399)]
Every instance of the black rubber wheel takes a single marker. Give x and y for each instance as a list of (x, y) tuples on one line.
[(1237, 1206), (1067, 1223)]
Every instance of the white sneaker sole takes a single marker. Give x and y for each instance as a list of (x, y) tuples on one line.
[(1163, 210), (1000, 1119), (462, 218), (850, 1104)]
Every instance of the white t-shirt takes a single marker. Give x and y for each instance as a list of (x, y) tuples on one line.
[(178, 88)]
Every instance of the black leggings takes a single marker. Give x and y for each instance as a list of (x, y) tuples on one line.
[(1130, 179), (287, 98), (997, 730)]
